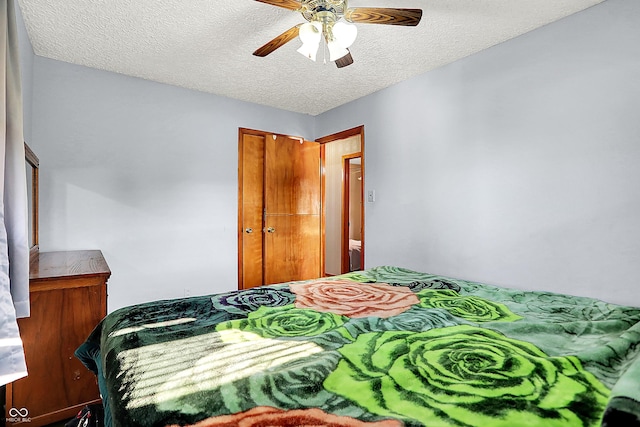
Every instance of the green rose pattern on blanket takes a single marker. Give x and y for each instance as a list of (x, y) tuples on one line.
[(391, 344), (474, 309), (464, 375)]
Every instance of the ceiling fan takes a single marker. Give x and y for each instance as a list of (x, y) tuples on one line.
[(332, 21)]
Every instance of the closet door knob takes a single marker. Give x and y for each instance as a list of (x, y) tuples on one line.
[(271, 230), (248, 230)]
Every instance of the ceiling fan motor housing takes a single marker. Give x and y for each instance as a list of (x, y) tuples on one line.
[(324, 11)]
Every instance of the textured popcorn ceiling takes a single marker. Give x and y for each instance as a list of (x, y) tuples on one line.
[(207, 45)]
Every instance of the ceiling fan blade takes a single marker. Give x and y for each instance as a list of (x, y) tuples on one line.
[(344, 61), (287, 4), (384, 15), (281, 40)]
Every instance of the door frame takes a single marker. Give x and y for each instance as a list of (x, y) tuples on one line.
[(358, 130)]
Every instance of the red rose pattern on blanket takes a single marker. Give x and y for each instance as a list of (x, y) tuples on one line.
[(353, 299), (268, 416)]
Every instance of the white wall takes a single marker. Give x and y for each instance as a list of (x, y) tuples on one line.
[(145, 172), (519, 166)]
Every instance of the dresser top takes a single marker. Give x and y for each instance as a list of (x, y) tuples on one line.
[(68, 264)]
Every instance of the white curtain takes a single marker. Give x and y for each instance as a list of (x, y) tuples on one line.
[(14, 251)]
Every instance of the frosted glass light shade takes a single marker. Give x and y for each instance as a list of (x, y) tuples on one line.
[(310, 33), (310, 50), (336, 51), (345, 34)]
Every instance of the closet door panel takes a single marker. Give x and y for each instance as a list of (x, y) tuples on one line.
[(252, 187), (292, 176), (292, 249), (292, 202)]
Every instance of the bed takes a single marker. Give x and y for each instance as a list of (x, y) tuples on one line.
[(384, 347)]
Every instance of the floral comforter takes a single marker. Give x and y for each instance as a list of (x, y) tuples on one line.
[(380, 347)]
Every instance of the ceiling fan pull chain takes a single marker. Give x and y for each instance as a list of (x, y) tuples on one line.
[(324, 50)]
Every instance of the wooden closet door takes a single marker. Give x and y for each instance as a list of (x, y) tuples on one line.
[(250, 223), (279, 210), (292, 217)]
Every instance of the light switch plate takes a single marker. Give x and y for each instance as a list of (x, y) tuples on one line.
[(371, 196)]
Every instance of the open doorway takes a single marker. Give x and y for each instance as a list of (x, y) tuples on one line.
[(352, 231), (343, 207)]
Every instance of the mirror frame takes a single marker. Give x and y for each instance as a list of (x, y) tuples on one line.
[(34, 162)]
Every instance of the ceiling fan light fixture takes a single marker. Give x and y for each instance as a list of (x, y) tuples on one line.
[(344, 34)]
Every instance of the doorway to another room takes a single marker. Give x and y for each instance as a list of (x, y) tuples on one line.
[(343, 197)]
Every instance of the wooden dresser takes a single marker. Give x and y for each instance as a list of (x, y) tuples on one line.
[(68, 293)]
